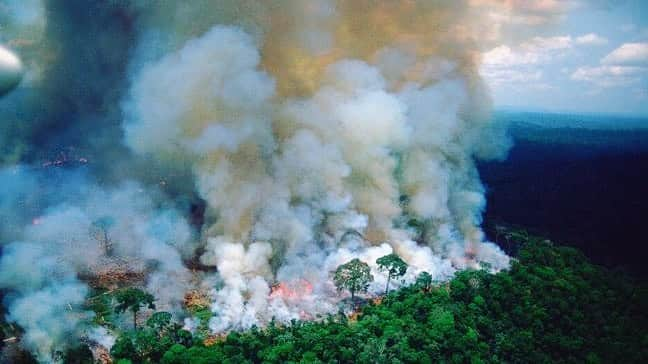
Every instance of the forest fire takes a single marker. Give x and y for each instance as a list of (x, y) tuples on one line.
[(195, 300), (470, 252), (294, 290), (214, 339), (283, 149), (101, 354), (114, 273), (469, 257)]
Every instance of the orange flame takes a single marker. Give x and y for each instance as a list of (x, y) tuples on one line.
[(294, 290)]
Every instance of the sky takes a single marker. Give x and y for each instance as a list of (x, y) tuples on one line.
[(587, 56), (593, 59)]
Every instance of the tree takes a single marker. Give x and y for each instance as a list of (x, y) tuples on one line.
[(150, 342), (354, 276), (133, 299), (424, 281), (99, 230), (78, 355), (393, 265), (124, 348), (161, 323), (551, 306)]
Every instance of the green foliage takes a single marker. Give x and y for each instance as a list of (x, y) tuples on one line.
[(100, 302), (160, 321), (179, 354), (133, 299), (424, 281), (78, 355), (150, 343), (393, 265), (551, 306), (203, 316), (354, 276)]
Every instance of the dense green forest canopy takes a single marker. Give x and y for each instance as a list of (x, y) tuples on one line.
[(552, 306)]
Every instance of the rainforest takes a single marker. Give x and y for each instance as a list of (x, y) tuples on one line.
[(330, 181)]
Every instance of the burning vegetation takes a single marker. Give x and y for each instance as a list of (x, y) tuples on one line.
[(114, 274), (234, 145), (196, 300), (295, 290)]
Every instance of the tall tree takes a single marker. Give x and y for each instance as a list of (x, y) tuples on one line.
[(393, 265), (133, 299), (99, 230), (354, 276), (424, 281)]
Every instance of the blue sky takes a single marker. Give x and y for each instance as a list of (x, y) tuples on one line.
[(594, 59)]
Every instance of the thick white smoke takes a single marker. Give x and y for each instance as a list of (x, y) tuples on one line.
[(314, 132), (47, 297), (285, 178), (99, 234)]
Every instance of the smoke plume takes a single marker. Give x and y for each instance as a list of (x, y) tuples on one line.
[(241, 148)]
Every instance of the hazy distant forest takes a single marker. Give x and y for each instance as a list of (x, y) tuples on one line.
[(577, 179)]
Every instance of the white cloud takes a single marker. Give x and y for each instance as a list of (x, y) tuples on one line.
[(544, 44), (526, 13), (609, 76), (626, 65), (630, 54), (506, 64), (537, 50), (497, 77), (504, 56), (591, 39), (517, 65)]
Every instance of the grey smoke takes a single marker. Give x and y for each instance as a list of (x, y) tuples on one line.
[(310, 133)]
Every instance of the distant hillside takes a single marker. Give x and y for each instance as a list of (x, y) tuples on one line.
[(573, 120)]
